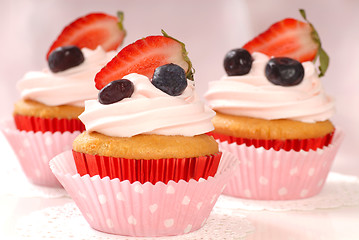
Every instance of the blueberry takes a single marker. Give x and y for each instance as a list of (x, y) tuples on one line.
[(170, 78), (237, 62), (66, 57), (284, 71), (116, 91)]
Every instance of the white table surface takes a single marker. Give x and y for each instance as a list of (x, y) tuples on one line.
[(329, 224)]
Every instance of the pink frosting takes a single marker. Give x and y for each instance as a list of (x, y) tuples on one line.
[(149, 111), (71, 87), (252, 95)]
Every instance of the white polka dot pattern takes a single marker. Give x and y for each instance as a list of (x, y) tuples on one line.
[(304, 193), (186, 200), (89, 216), (109, 223), (35, 150), (168, 223), (276, 163), (26, 143), (132, 220), (263, 180), (247, 193), (21, 153), (138, 189), (293, 171), (144, 209), (120, 196), (280, 175), (153, 208), (282, 191), (66, 222), (37, 173), (188, 228), (82, 195), (102, 199), (45, 159), (311, 172), (170, 190), (214, 197), (48, 141)]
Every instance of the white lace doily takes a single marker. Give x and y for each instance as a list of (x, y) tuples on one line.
[(66, 222), (339, 190), (15, 183)]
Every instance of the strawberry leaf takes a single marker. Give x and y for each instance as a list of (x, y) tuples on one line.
[(304, 15), (322, 54), (324, 61), (190, 71), (120, 16)]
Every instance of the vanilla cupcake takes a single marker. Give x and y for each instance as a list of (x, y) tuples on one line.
[(146, 165), (274, 114), (46, 117), (147, 136), (52, 99)]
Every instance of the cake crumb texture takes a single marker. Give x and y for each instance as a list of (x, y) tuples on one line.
[(145, 146), (255, 128), (37, 109)]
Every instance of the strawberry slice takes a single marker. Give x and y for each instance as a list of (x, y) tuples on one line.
[(286, 38), (91, 31), (143, 57), (291, 38)]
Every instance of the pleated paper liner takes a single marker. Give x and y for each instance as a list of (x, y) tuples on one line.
[(143, 210), (37, 124), (35, 150), (153, 170), (279, 174), (277, 144)]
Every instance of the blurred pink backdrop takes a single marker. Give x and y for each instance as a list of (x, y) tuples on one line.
[(209, 29)]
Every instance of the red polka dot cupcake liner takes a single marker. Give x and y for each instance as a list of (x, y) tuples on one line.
[(277, 144), (37, 124), (279, 174), (153, 171), (143, 210), (34, 150)]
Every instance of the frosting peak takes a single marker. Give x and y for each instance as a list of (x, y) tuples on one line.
[(149, 111), (252, 95), (71, 87)]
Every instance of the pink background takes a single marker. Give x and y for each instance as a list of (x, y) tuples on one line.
[(209, 29)]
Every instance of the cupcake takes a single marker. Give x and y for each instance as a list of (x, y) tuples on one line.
[(52, 99), (149, 135), (145, 150), (46, 117), (273, 113)]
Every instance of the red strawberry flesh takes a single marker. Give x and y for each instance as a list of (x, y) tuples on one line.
[(286, 38), (91, 31), (143, 57)]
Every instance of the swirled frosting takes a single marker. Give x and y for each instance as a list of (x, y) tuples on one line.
[(70, 87), (252, 95), (149, 111)]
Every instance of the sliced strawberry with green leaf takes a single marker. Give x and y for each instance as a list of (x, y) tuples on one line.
[(291, 38), (91, 31), (143, 57)]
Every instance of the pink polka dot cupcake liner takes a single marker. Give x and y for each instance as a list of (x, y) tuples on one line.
[(35, 150), (142, 210), (280, 175)]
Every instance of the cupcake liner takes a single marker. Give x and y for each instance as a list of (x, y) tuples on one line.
[(135, 209), (35, 150), (277, 144), (153, 170), (37, 124), (280, 175)]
